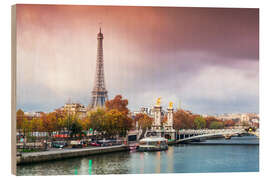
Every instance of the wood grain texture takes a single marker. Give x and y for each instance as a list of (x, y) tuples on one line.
[(13, 89)]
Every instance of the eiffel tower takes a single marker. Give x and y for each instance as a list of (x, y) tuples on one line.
[(99, 93)]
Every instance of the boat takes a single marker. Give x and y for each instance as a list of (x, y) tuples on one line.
[(153, 144), (228, 137)]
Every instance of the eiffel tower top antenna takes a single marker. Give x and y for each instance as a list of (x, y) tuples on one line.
[(100, 25)]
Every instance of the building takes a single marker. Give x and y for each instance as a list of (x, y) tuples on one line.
[(229, 116), (241, 119), (31, 115), (72, 109), (99, 92)]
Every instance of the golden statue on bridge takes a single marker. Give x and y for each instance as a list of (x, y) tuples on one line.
[(158, 101), (171, 105)]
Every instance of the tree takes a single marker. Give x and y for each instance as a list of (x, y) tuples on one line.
[(95, 119), (182, 120), (229, 123), (109, 123), (53, 121), (61, 122), (117, 122), (199, 122), (112, 122), (76, 128), (38, 126), (117, 103), (84, 123), (144, 121), (25, 126), (35, 124), (209, 120), (19, 119), (216, 125), (47, 122)]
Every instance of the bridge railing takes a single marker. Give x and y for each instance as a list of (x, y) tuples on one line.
[(209, 131)]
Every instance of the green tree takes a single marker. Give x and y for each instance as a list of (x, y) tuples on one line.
[(25, 126), (216, 125), (76, 128), (209, 120), (199, 122), (96, 119)]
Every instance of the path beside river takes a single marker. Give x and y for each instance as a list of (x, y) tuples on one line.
[(66, 153)]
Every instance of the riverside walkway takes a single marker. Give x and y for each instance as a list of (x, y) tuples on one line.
[(57, 154)]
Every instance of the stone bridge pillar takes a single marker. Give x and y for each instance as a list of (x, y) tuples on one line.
[(168, 126), (157, 118), (169, 123)]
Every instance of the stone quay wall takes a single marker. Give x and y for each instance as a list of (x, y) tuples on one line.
[(27, 158)]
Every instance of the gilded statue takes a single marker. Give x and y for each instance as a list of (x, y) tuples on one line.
[(170, 105), (158, 101)]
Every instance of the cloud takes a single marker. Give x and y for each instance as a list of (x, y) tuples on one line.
[(205, 57)]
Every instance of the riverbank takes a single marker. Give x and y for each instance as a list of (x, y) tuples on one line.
[(27, 158), (177, 159)]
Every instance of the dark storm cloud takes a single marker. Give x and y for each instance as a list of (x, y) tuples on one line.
[(226, 32), (200, 56)]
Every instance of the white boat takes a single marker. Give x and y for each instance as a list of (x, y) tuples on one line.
[(153, 144)]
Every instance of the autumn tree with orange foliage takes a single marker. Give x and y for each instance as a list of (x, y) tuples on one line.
[(109, 123), (19, 119), (117, 103), (229, 123), (117, 122), (182, 120), (144, 121), (112, 120)]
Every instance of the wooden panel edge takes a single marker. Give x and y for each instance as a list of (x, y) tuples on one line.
[(13, 88)]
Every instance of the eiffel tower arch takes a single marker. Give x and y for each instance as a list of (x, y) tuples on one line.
[(99, 92)]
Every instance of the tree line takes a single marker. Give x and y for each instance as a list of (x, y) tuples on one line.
[(186, 120), (111, 121)]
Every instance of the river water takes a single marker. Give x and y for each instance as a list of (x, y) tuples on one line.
[(228, 157)]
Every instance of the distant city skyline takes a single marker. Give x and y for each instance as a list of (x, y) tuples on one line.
[(207, 58)]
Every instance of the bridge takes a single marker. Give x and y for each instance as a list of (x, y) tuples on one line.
[(191, 134), (256, 133), (186, 135)]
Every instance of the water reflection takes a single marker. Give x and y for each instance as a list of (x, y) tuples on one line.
[(157, 162), (170, 160), (177, 159), (142, 163), (115, 163)]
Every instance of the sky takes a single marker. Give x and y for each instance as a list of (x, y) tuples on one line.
[(204, 59)]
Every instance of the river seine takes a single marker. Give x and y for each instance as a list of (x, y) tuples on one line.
[(239, 154)]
